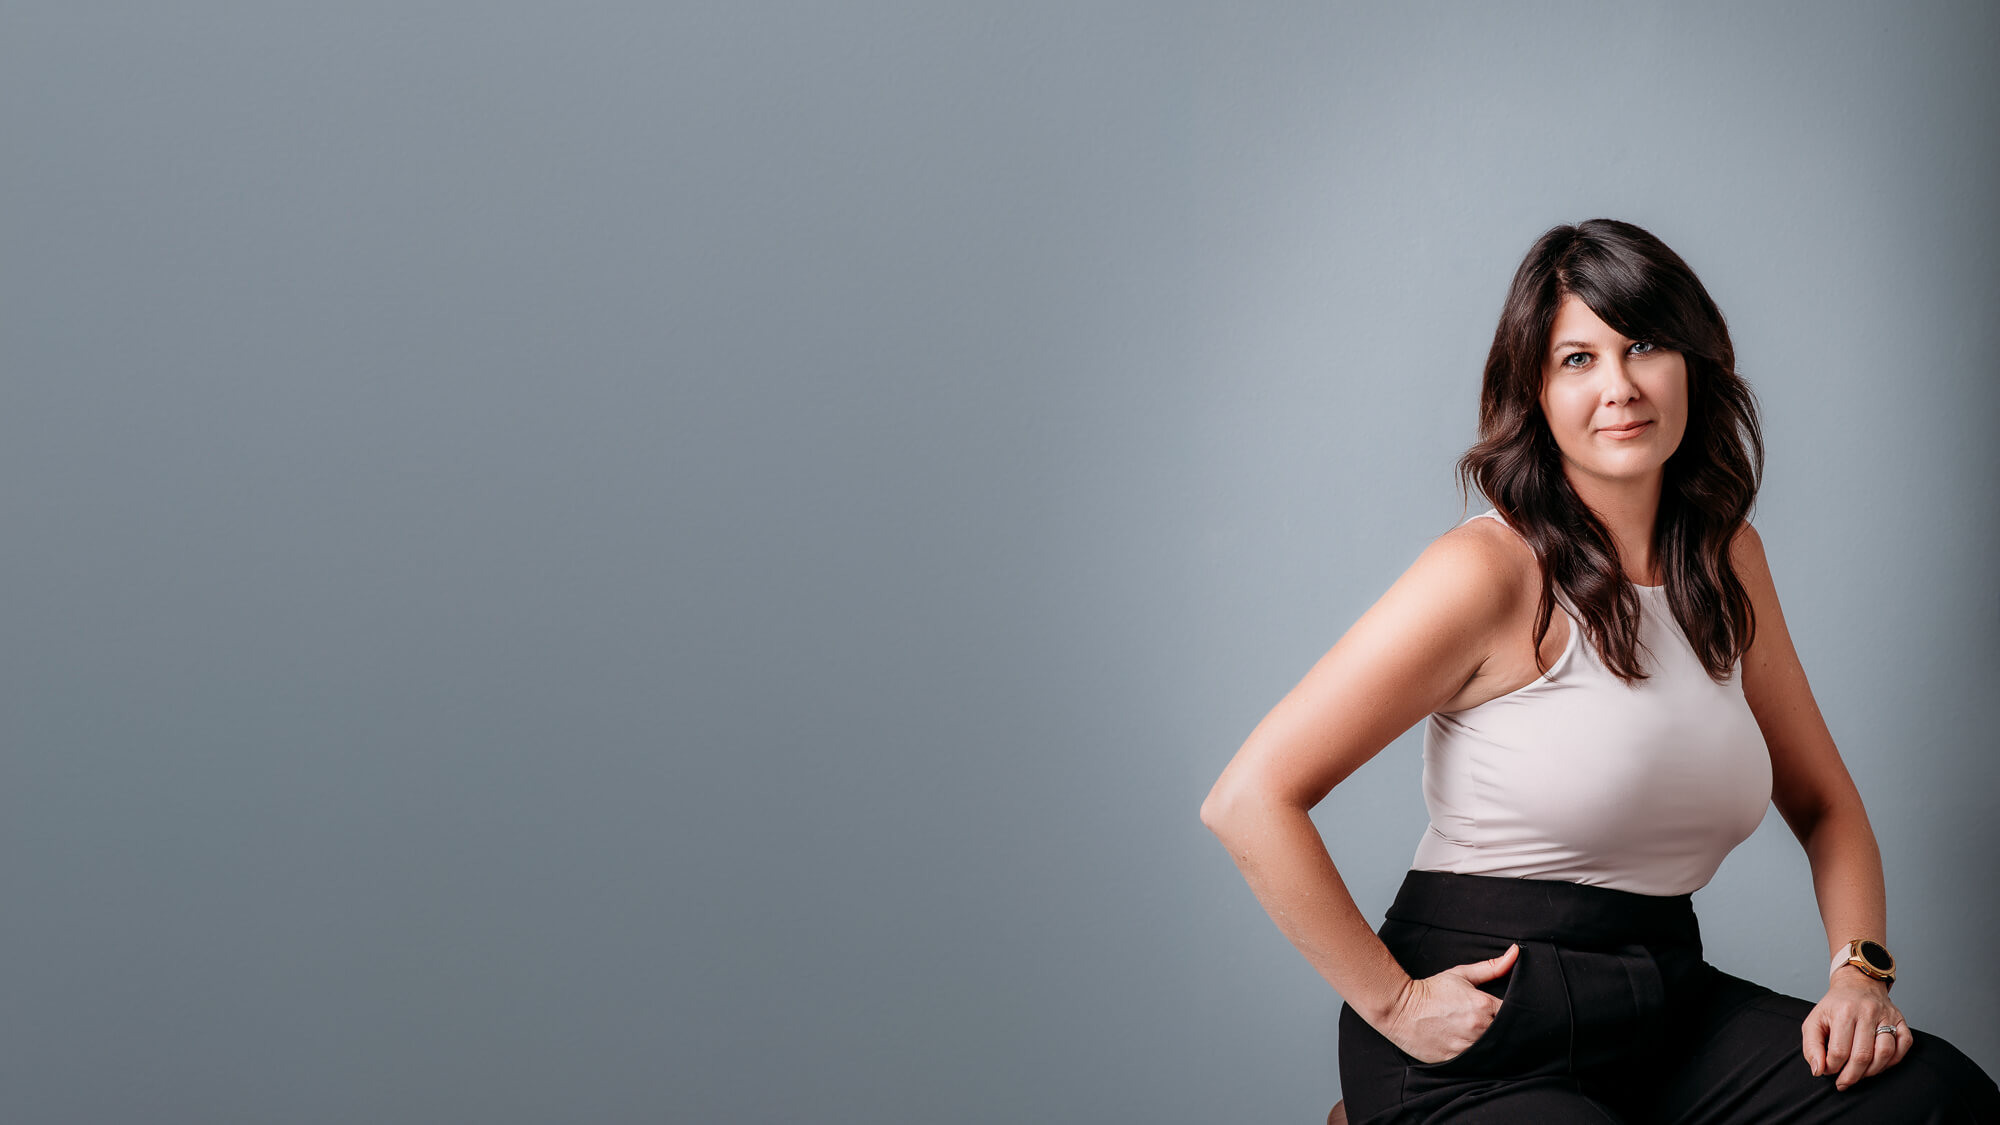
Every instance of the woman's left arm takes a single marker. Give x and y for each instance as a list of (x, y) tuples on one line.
[(1818, 800)]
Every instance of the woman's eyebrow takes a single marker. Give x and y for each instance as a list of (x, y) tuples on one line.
[(1561, 344)]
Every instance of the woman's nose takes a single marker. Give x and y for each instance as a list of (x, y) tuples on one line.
[(1620, 387)]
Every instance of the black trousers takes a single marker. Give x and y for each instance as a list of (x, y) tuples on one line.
[(1611, 1015)]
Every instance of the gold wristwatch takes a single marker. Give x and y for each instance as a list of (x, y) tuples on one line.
[(1871, 957)]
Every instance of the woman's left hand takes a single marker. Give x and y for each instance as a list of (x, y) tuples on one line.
[(1840, 1030)]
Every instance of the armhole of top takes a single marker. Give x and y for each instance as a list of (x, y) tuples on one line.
[(1570, 646), (1562, 606)]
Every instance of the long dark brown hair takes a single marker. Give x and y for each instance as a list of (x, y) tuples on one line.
[(1639, 287)]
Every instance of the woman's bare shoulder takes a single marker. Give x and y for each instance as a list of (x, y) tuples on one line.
[(1485, 557), (1409, 654), (1746, 553), (1504, 593), (1466, 590)]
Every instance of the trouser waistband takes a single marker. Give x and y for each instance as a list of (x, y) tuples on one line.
[(1572, 914)]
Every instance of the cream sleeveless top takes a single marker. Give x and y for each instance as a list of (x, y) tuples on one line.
[(1579, 777)]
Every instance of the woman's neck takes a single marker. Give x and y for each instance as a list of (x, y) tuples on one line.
[(1629, 509)]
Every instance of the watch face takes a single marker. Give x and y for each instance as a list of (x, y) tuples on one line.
[(1876, 956)]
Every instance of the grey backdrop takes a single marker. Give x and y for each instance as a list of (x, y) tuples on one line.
[(620, 562)]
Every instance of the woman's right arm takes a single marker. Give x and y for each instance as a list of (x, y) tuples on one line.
[(1408, 655)]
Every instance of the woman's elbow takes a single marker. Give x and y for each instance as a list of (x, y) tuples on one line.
[(1227, 807), (1213, 809)]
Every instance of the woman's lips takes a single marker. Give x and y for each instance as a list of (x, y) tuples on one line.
[(1622, 435)]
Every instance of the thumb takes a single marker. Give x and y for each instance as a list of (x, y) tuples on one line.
[(1492, 967)]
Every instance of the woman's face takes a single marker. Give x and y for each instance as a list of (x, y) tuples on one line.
[(1595, 382)]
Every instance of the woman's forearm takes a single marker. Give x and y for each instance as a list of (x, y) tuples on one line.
[(1847, 877), (1286, 863)]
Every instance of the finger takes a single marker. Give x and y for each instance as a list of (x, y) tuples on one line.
[(1905, 1039), (1890, 1049), (1813, 1045), (1479, 971), (1860, 1053), (1839, 1046), (1885, 1051)]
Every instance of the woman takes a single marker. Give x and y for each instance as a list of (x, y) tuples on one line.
[(1612, 700)]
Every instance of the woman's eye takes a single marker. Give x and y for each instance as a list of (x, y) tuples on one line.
[(1644, 345), (1575, 356)]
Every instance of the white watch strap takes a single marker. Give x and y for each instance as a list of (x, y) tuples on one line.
[(1844, 957)]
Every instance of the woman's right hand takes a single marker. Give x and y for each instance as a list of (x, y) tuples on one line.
[(1438, 1017)]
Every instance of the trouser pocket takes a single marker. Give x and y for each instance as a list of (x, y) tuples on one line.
[(1620, 1003), (1530, 1031)]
